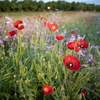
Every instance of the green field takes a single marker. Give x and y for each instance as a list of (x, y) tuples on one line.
[(33, 57)]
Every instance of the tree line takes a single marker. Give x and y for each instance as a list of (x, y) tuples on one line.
[(29, 5)]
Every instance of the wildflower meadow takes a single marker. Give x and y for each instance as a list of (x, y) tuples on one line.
[(50, 56)]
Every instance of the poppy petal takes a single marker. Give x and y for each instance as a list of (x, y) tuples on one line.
[(77, 49), (50, 89), (47, 24), (21, 27), (71, 45)]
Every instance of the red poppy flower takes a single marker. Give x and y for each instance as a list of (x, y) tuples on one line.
[(72, 45), (47, 89), (72, 63), (38, 16), (88, 27), (90, 24), (83, 92), (81, 19), (13, 32), (43, 18), (53, 27), (91, 19), (73, 32), (82, 44), (59, 38), (53, 44), (34, 17), (0, 16), (18, 24), (47, 24)]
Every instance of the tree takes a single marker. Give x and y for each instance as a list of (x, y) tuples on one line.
[(64, 7), (79, 6), (39, 5), (98, 8), (35, 7), (13, 6), (5, 5), (26, 5), (59, 5), (19, 7), (53, 5), (89, 8), (73, 6), (42, 6), (68, 5)]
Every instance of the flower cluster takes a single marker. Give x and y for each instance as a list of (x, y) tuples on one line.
[(70, 61), (18, 25)]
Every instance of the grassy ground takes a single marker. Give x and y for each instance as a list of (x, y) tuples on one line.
[(19, 15)]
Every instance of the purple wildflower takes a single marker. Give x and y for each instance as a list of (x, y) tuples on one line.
[(49, 47), (79, 38), (6, 57), (1, 26), (62, 88), (65, 31), (7, 51), (80, 53), (93, 69), (76, 28), (79, 72), (5, 39), (95, 47), (86, 65), (46, 52), (32, 47), (1, 42), (95, 83)]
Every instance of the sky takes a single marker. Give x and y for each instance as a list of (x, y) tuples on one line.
[(96, 2)]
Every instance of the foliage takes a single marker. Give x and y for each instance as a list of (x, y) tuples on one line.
[(26, 5)]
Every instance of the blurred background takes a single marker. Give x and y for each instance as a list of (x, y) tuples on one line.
[(39, 6)]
